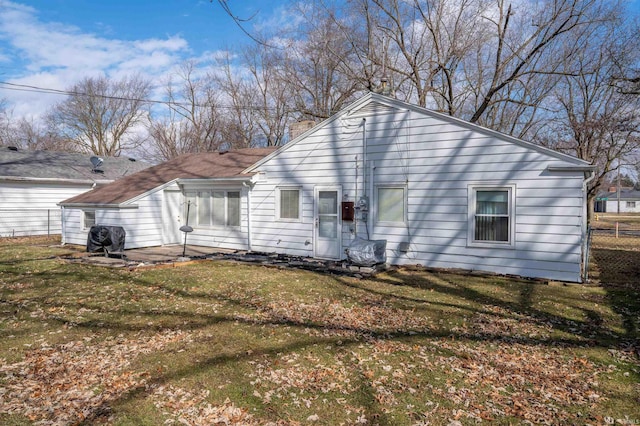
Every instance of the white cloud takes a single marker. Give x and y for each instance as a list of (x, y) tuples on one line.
[(56, 55), (173, 44)]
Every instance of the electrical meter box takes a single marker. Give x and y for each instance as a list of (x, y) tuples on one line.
[(348, 211)]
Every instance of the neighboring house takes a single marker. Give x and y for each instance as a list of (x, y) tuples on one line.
[(33, 182), (442, 192), (608, 202)]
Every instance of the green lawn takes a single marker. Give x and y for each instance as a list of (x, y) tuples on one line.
[(215, 342)]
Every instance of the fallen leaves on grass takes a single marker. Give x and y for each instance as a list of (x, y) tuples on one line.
[(482, 381), (192, 408), (534, 383), (332, 318), (76, 381), (531, 380)]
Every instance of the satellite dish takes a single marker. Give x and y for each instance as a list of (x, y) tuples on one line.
[(96, 161)]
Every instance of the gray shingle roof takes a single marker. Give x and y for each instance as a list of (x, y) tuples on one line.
[(23, 164)]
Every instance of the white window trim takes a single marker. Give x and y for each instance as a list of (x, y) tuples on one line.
[(83, 219), (277, 206), (471, 222), (405, 219)]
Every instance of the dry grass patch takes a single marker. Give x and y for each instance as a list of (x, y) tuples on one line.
[(227, 343)]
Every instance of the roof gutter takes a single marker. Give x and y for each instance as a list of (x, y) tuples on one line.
[(214, 180), (586, 168), (53, 180), (98, 206)]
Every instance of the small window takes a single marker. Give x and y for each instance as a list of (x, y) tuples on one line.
[(491, 216), (88, 219), (631, 204), (391, 206), (288, 204)]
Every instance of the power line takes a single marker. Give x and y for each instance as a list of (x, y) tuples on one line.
[(36, 89)]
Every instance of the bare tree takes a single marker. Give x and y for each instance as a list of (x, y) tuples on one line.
[(36, 134), (420, 46), (272, 101), (193, 122), (486, 61), (100, 114), (240, 127), (316, 64), (596, 121), (7, 128)]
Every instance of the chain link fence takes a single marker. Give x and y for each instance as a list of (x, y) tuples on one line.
[(614, 250), (27, 222)]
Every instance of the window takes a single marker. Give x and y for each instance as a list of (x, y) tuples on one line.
[(288, 204), (214, 208), (491, 215), (233, 209), (631, 204), (88, 219), (391, 206)]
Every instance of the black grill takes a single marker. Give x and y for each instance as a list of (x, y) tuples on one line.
[(107, 239)]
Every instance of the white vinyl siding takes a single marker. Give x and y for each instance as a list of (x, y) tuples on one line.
[(30, 208), (143, 222), (435, 158)]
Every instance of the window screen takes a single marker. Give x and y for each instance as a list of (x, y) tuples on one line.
[(391, 205), (289, 204)]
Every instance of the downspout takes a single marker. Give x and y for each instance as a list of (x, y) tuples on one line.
[(63, 226), (370, 222), (249, 188), (355, 217), (585, 250), (364, 157), (365, 218)]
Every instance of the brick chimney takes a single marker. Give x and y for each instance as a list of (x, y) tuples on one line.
[(299, 127)]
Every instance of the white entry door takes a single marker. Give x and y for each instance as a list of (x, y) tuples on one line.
[(172, 217), (328, 238)]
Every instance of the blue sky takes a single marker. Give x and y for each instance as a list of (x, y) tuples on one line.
[(54, 43)]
